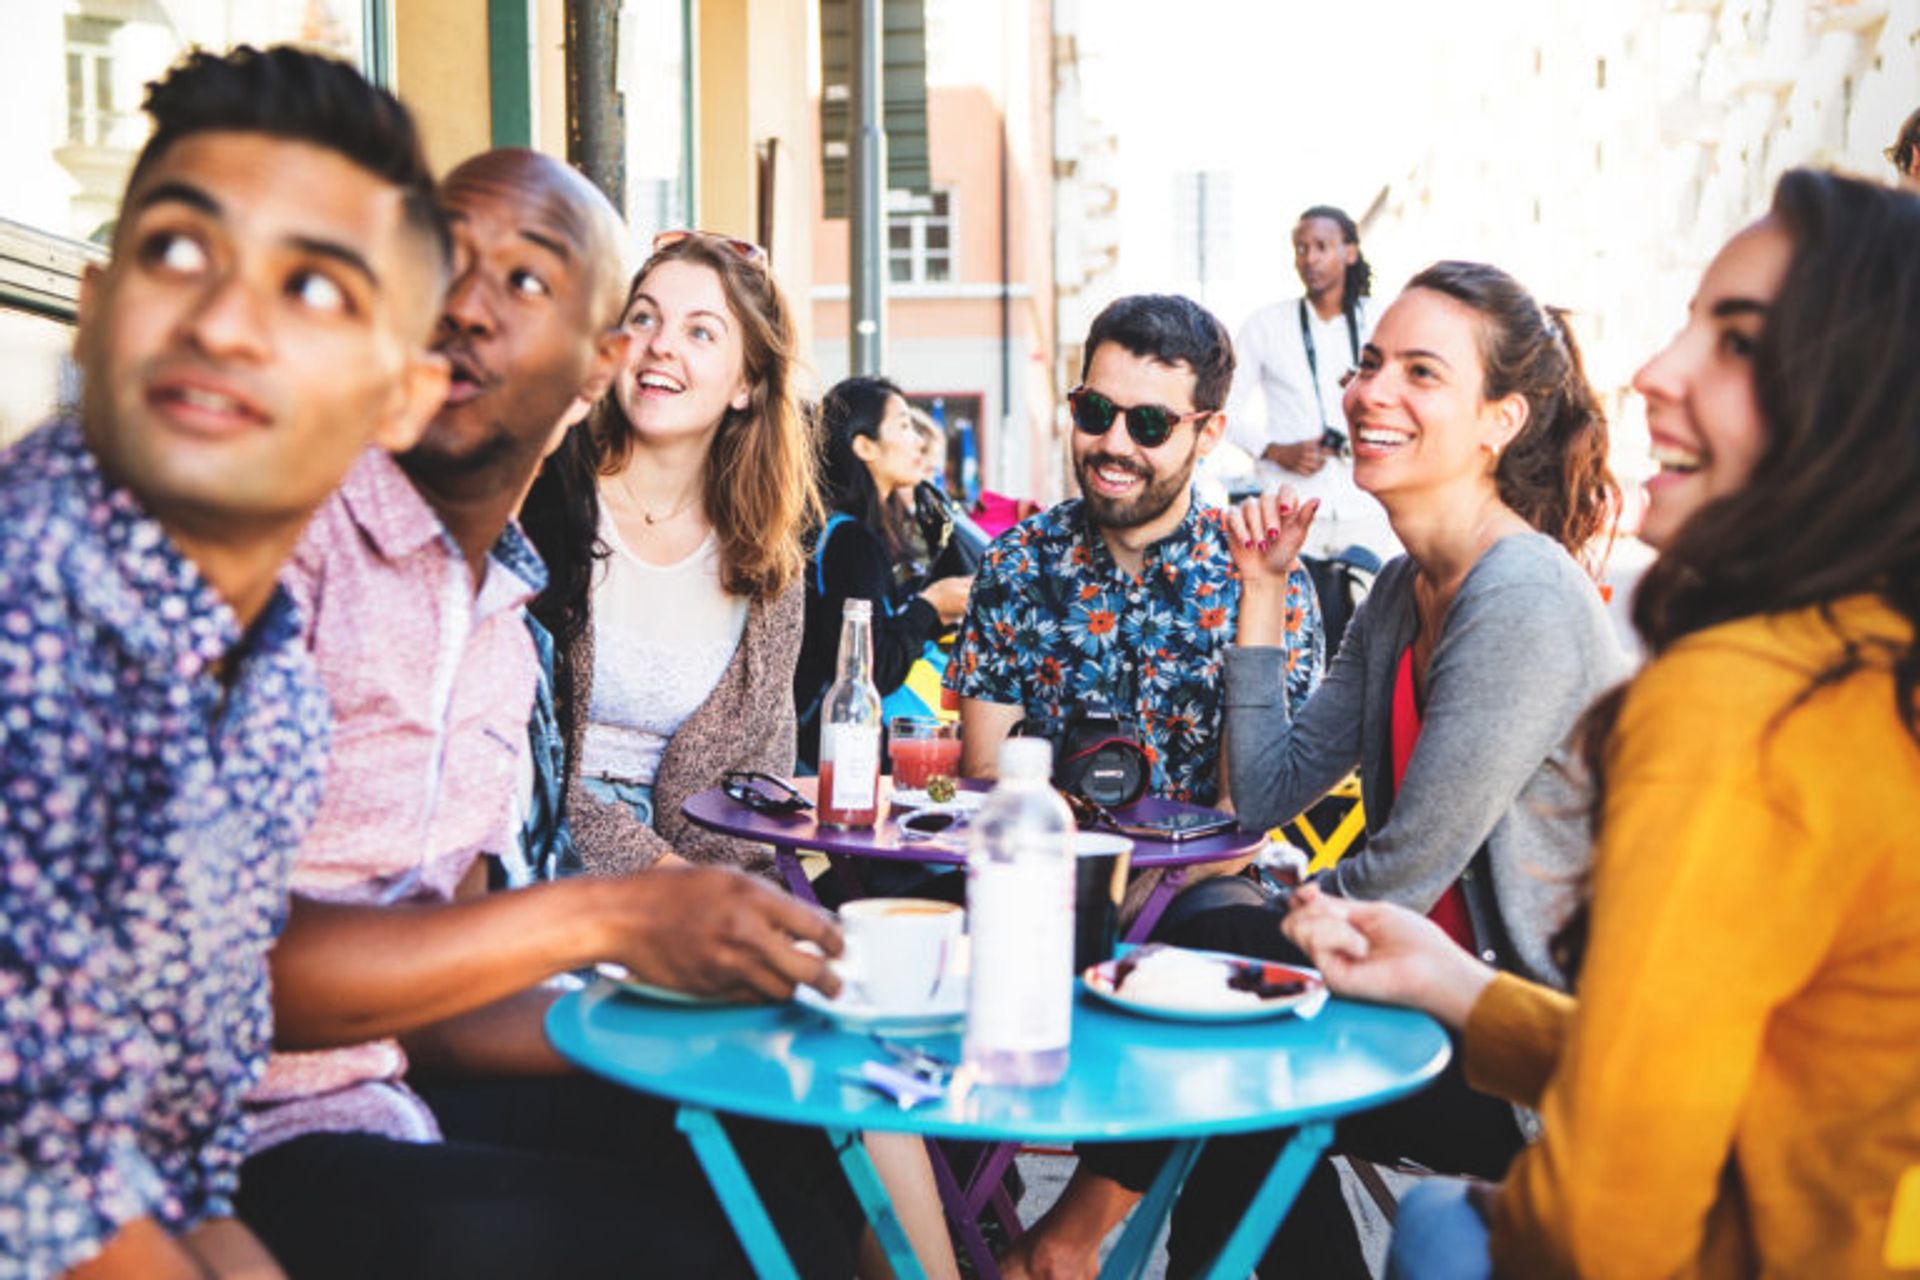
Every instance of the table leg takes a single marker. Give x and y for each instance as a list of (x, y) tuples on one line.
[(960, 1214), (1129, 1257), (787, 859), (1249, 1240), (872, 1195), (734, 1189), (1156, 904)]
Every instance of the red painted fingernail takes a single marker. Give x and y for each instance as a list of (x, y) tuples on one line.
[(1273, 533)]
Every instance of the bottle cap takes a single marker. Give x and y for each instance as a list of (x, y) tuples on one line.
[(1026, 758), (855, 607)]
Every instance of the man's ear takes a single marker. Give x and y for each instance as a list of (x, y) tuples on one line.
[(1209, 430), (422, 390), (93, 282), (1352, 254), (609, 357)]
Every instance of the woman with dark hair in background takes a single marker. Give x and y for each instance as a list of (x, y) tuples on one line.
[(1736, 1090), (871, 456), (1456, 694), (671, 529)]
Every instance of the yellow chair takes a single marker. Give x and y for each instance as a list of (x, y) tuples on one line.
[(1903, 1228), (1326, 850)]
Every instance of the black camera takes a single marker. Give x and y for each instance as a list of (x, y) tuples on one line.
[(1096, 754)]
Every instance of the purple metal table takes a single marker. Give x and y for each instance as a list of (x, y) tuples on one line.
[(790, 835)]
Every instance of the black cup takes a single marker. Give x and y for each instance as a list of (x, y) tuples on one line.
[(1101, 864)]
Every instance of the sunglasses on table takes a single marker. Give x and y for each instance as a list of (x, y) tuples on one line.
[(746, 249), (1148, 424), (762, 792)]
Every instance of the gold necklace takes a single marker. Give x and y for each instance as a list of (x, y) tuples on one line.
[(693, 495)]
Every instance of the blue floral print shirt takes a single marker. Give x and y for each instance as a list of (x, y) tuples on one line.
[(149, 813), (1053, 621)]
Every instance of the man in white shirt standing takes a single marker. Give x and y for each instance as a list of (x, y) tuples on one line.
[(1284, 409)]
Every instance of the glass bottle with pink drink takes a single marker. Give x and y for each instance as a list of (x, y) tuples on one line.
[(850, 728)]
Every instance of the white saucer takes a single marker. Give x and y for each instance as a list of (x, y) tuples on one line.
[(962, 802), (618, 975), (946, 1011), (1202, 1004)]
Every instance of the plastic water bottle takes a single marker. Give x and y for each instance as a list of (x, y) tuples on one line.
[(1020, 913)]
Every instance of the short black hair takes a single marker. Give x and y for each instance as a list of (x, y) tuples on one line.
[(303, 96), (1173, 330), (1906, 144)]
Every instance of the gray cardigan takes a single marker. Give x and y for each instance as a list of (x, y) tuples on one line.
[(1526, 645)]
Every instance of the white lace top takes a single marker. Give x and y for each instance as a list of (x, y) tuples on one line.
[(662, 638)]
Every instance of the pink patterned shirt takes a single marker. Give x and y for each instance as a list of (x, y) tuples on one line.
[(431, 685)]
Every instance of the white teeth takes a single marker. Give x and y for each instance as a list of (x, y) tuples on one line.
[(1115, 478), (1673, 458), (659, 382), (210, 400), (1383, 439)]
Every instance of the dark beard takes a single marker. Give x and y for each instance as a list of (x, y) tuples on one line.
[(440, 469), (1152, 502)]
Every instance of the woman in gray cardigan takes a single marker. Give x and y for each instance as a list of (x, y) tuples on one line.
[(671, 530), (1455, 693)]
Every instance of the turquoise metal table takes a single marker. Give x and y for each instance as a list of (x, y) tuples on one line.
[(1130, 1078)]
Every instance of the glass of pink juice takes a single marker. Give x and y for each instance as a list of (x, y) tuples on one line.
[(921, 750)]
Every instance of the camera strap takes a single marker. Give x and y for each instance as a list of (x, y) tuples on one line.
[(1313, 355)]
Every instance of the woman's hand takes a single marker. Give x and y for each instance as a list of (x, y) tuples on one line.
[(948, 596), (1266, 535), (1379, 951)]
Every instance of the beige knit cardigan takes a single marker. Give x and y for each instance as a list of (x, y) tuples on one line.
[(747, 722)]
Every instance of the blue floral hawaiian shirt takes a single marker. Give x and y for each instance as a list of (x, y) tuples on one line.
[(1053, 622), (149, 813)]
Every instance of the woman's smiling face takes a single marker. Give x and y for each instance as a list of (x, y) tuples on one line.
[(687, 364), (1702, 412)]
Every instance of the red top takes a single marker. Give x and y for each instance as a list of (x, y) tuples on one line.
[(1450, 913)]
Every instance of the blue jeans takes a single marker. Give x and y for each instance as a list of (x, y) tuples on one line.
[(1438, 1235), (638, 797)]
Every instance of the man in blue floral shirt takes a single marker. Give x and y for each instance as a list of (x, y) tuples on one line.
[(1126, 595), (276, 269)]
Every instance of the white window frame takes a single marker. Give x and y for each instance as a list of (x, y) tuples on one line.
[(916, 212)]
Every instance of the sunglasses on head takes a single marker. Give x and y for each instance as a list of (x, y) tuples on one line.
[(746, 249), (762, 792), (1148, 424)]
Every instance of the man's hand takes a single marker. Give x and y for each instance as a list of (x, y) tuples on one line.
[(1302, 457), (1379, 951), (229, 1251), (719, 932)]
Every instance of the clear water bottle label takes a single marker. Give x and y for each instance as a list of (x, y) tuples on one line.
[(1021, 918), (855, 752)]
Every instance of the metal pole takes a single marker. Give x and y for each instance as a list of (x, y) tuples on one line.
[(868, 175), (596, 116)]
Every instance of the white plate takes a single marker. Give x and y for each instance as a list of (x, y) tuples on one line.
[(946, 1011), (618, 975), (1197, 1006), (962, 802)]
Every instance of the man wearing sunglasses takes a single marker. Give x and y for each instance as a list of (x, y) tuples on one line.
[(1125, 595)]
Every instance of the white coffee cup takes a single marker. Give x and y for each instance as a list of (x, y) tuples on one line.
[(899, 950)]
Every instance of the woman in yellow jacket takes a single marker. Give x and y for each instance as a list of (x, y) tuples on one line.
[(1734, 1089)]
